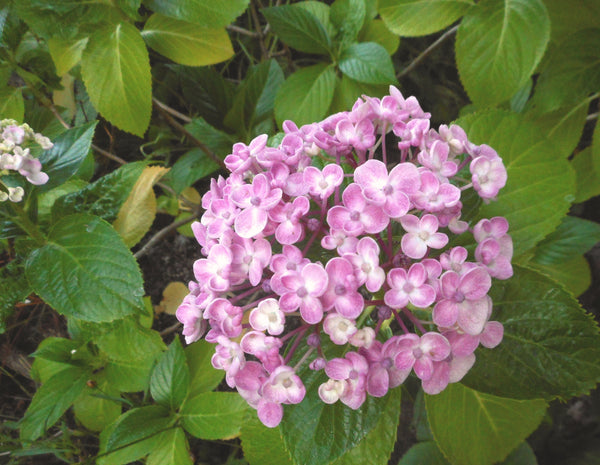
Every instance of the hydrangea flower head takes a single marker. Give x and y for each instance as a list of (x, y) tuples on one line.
[(346, 219)]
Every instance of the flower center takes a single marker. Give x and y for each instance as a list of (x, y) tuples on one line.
[(255, 200), (339, 289), (302, 292)]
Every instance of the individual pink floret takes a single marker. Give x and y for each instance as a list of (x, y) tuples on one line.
[(284, 386), (433, 195), (366, 264), (420, 353), (303, 291), (321, 184), (357, 216), (488, 176), (290, 228), (421, 233), (342, 290), (408, 287), (383, 373), (352, 371), (268, 317), (338, 328)]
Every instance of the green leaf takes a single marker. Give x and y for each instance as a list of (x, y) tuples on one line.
[(377, 446), (414, 18), (47, 199), (12, 106), (214, 415), (473, 428), (575, 274), (203, 376), (66, 156), (376, 31), (368, 62), (136, 425), (262, 445), (218, 141), (550, 347), (498, 46), (255, 97), (171, 448), (541, 183), (14, 288), (116, 71), (93, 409), (348, 17), (306, 95), (572, 72), (191, 167), (587, 176), (316, 433), (171, 377), (185, 42), (207, 13), (574, 15), (574, 236), (125, 454), (51, 400), (348, 90), (104, 197), (424, 453), (596, 148), (53, 355), (298, 28), (321, 11), (522, 455), (131, 350), (66, 53), (563, 127), (86, 271)]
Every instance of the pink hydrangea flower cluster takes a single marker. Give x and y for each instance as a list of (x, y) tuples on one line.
[(15, 156), (341, 234)]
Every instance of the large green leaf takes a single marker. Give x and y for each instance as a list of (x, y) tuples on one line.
[(203, 377), (116, 71), (572, 72), (104, 197), (255, 97), (14, 288), (306, 95), (86, 271), (348, 17), (94, 409), (426, 452), (421, 17), (11, 104), (574, 236), (587, 175), (574, 274), (66, 156), (170, 379), (192, 166), (376, 31), (207, 13), (574, 15), (317, 433), (262, 445), (185, 42), (214, 415), (550, 349), (51, 400), (367, 62), (498, 46), (171, 449), (473, 428), (541, 183), (298, 28), (66, 53), (377, 446), (348, 90)]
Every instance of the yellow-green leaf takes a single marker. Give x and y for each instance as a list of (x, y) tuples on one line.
[(66, 53)]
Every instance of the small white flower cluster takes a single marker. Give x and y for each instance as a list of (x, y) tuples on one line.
[(15, 140)]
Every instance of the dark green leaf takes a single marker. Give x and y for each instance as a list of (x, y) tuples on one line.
[(574, 236), (170, 379), (93, 408), (413, 18), (138, 424), (574, 15), (262, 445), (574, 275), (550, 347), (86, 271), (57, 349), (11, 104), (522, 455), (255, 97), (171, 449), (541, 183), (51, 400), (191, 167), (214, 415), (298, 28), (104, 197), (348, 17), (348, 90), (473, 428), (116, 71), (424, 453), (64, 159), (498, 46), (207, 13), (587, 176), (14, 288), (203, 377), (368, 62), (572, 72), (306, 95)]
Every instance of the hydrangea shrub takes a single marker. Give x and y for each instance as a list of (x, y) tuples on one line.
[(345, 232)]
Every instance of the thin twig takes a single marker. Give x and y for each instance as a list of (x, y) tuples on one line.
[(241, 30), (188, 134), (256, 20), (163, 233), (174, 112), (592, 116), (426, 52), (107, 154), (170, 329)]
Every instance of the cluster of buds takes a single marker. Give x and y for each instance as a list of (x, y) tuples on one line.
[(15, 143), (340, 235)]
